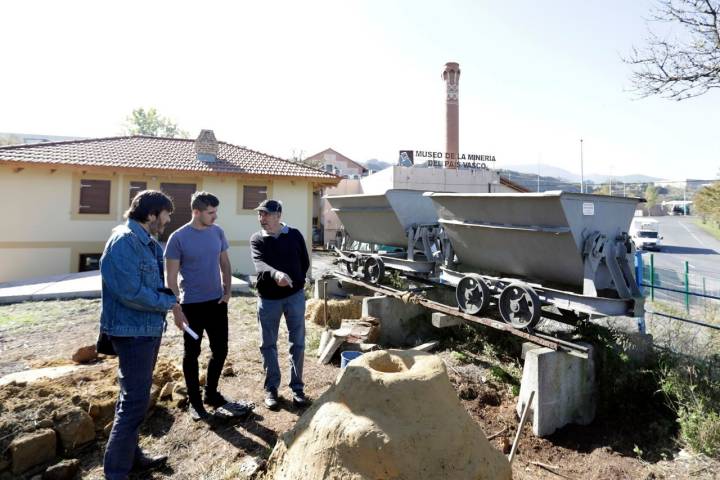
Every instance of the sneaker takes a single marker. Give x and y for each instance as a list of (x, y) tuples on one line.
[(198, 413), (144, 463), (271, 401), (300, 400), (214, 399)]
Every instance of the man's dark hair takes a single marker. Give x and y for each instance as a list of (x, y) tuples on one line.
[(202, 200), (146, 203)]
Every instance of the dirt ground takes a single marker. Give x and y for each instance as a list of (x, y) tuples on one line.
[(47, 333)]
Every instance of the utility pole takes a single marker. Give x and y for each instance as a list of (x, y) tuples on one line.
[(538, 172), (582, 172)]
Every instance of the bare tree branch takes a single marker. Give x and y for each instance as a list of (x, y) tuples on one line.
[(688, 63)]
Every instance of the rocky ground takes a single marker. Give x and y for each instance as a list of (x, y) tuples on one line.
[(75, 409)]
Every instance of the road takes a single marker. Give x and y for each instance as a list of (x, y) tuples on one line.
[(684, 241)]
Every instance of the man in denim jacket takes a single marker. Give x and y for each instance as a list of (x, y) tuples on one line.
[(133, 316)]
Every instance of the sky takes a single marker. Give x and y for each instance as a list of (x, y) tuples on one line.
[(361, 77)]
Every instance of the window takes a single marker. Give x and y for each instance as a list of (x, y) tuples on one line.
[(329, 167), (135, 188), (94, 196), (253, 195), (89, 261)]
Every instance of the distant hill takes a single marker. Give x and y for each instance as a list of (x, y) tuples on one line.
[(560, 173), (375, 164), (545, 183)]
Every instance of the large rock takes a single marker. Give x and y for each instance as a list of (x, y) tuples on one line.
[(85, 354), (32, 449), (391, 414), (75, 428), (65, 470), (102, 412)]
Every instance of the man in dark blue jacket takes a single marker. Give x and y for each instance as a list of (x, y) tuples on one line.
[(281, 261), (134, 306)]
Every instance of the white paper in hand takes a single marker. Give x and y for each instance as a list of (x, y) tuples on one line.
[(190, 331)]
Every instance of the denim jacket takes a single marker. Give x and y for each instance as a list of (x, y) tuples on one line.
[(130, 267)]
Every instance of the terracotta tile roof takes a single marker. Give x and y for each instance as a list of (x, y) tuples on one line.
[(158, 154)]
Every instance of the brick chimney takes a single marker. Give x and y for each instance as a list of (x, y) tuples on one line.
[(206, 146), (451, 76)]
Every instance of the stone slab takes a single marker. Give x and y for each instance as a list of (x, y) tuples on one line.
[(32, 449), (564, 385)]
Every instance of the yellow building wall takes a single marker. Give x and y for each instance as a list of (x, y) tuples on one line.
[(239, 224), (44, 234), (23, 263)]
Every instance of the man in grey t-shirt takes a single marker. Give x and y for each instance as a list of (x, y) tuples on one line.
[(198, 251)]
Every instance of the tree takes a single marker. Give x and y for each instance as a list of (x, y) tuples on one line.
[(150, 123), (686, 65), (707, 203), (651, 196)]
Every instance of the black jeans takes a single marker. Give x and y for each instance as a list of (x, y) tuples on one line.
[(211, 317)]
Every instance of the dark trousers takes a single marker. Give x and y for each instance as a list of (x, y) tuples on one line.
[(210, 317), (136, 361)]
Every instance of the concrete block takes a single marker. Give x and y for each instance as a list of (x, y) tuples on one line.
[(400, 323), (526, 347), (564, 385), (334, 289), (442, 320)]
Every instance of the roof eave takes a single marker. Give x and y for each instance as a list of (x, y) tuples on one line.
[(168, 171)]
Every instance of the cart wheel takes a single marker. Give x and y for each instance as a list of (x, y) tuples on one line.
[(519, 306), (373, 269), (472, 294)]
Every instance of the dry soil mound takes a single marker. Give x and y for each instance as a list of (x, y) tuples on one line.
[(391, 415)]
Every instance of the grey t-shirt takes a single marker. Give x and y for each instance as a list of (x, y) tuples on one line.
[(199, 255)]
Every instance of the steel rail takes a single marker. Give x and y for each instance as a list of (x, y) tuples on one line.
[(544, 340)]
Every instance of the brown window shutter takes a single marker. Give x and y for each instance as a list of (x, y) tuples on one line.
[(253, 195), (94, 196), (135, 188)]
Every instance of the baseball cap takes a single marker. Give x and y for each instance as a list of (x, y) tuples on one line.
[(270, 206)]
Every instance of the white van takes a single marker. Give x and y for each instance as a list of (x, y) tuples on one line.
[(645, 233)]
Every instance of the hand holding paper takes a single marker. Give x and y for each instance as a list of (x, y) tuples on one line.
[(190, 331)]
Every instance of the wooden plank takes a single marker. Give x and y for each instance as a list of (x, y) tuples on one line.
[(427, 347)]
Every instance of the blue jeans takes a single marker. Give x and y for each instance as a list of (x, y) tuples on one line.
[(269, 313), (136, 360)]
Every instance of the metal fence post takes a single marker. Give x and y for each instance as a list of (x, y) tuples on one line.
[(639, 270), (652, 277), (687, 286)]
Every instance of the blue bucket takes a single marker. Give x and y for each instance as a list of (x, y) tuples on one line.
[(346, 357)]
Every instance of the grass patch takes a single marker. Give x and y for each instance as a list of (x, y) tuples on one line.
[(709, 226), (692, 388), (495, 351), (29, 314)]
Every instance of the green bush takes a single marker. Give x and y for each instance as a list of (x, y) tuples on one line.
[(692, 388)]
